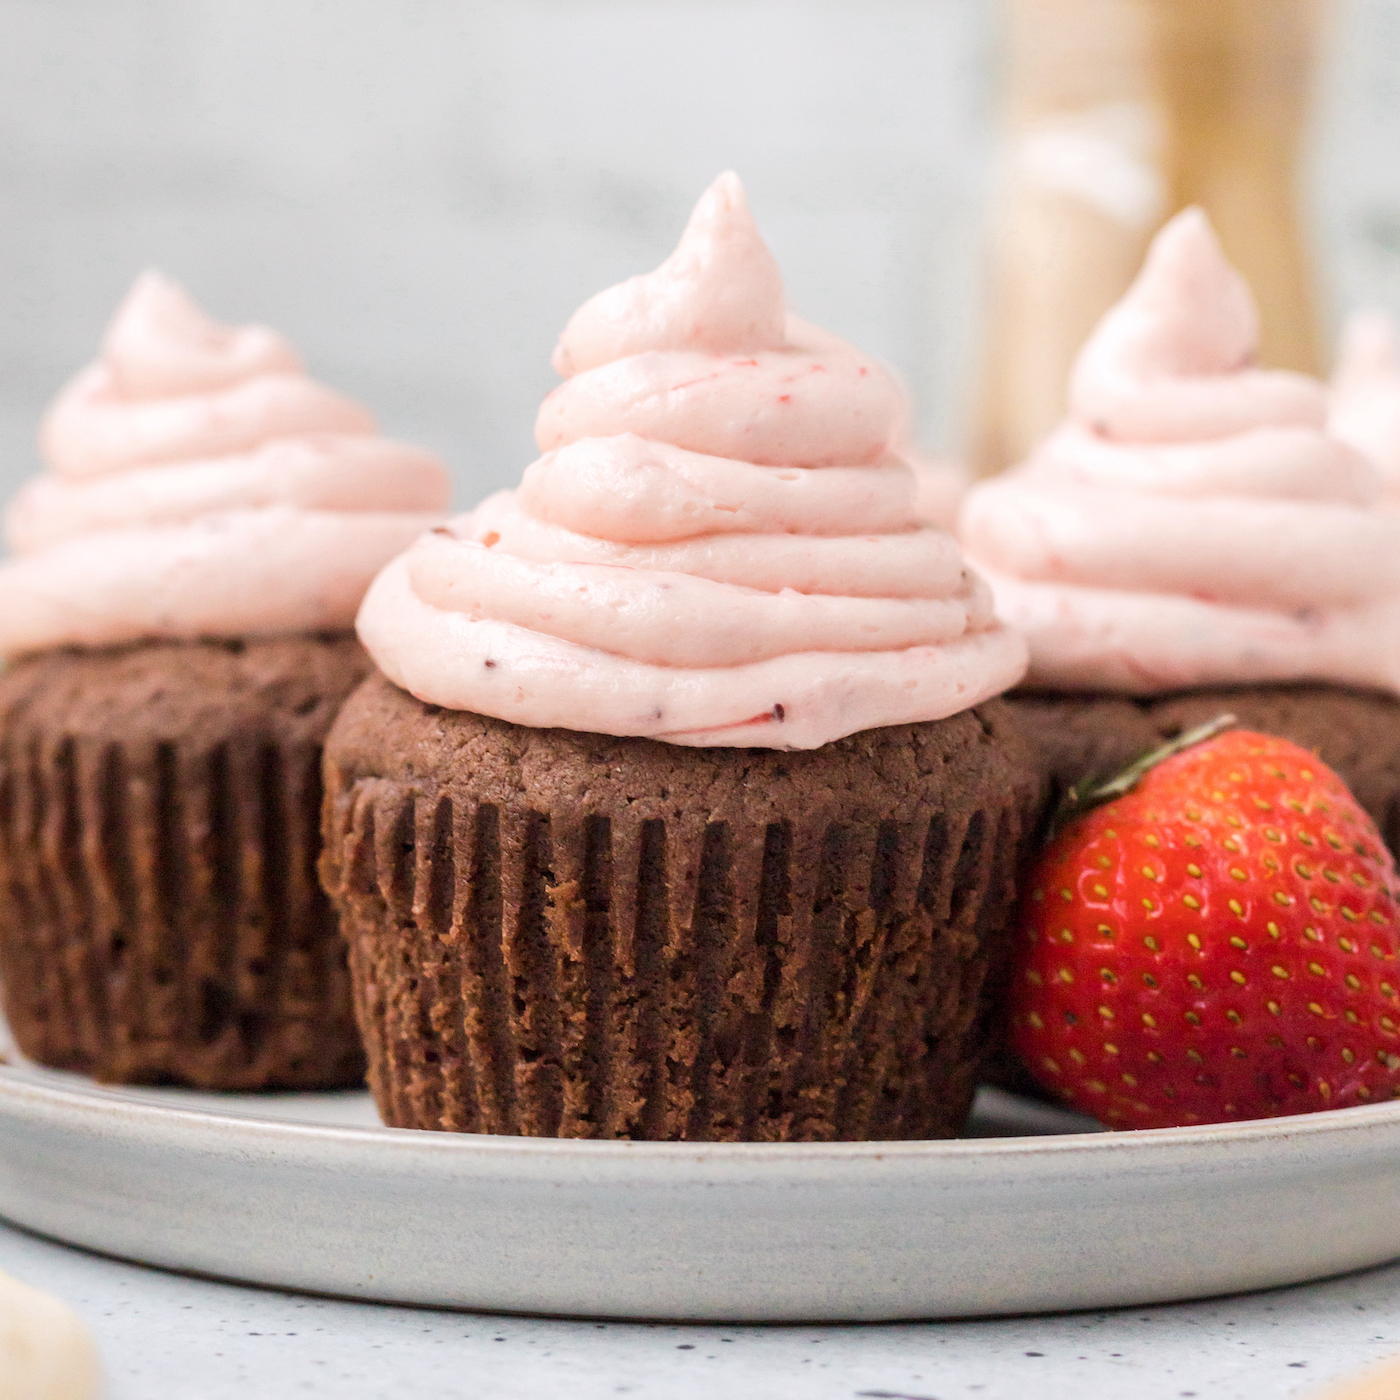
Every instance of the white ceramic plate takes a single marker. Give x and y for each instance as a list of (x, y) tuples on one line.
[(307, 1191)]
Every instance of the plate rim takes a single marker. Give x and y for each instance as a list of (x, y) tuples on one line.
[(104, 1101), (732, 1229)]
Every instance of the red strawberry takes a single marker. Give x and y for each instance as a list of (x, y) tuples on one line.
[(1219, 943)]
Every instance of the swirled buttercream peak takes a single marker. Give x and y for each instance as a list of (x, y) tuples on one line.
[(199, 483), (160, 343), (720, 292), (1175, 359), (719, 546), (1193, 522)]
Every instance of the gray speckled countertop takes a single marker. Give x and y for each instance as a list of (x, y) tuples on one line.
[(168, 1337)]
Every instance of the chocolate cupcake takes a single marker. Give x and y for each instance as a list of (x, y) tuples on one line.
[(574, 935), (177, 625), (1194, 542), (684, 808)]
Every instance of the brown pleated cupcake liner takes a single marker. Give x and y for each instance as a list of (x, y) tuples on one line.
[(611, 960), (1355, 732), (161, 920)]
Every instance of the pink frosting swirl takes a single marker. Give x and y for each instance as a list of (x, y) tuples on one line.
[(1193, 522), (199, 484), (718, 545), (1365, 408)]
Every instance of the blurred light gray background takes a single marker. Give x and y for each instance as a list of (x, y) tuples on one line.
[(419, 192)]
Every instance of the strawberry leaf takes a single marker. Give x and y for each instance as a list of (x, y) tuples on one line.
[(1089, 793)]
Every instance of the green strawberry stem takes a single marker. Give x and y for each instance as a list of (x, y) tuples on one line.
[(1087, 794)]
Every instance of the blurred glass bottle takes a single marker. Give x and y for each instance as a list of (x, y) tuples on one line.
[(1117, 114)]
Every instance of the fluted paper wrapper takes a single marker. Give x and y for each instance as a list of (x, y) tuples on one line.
[(571, 935), (159, 830)]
